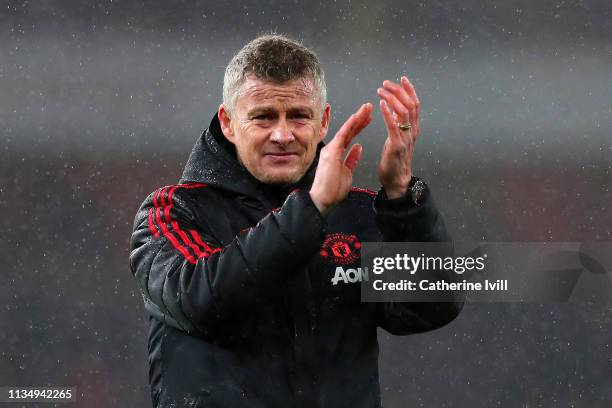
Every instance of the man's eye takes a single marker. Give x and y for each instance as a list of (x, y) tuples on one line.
[(263, 117)]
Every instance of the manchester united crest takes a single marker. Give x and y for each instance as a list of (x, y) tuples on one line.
[(341, 248)]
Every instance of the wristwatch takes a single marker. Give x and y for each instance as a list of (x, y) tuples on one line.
[(416, 190)]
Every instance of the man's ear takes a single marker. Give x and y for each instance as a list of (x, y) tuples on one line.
[(325, 122), (226, 123)]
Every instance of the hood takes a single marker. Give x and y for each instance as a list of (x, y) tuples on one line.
[(213, 161)]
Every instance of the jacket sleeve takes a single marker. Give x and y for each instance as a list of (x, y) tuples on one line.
[(401, 221), (188, 281)]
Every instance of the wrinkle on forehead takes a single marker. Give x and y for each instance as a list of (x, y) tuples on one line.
[(259, 89)]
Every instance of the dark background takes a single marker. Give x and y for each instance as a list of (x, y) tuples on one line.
[(101, 102)]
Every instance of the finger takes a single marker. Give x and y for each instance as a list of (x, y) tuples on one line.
[(392, 128), (365, 119), (404, 97), (403, 116), (354, 124), (341, 135), (398, 107), (407, 85), (353, 156)]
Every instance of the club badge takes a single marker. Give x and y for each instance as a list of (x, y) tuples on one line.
[(340, 248)]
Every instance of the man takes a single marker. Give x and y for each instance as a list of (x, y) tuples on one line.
[(236, 263)]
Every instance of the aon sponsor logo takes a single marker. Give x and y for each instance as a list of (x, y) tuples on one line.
[(350, 275)]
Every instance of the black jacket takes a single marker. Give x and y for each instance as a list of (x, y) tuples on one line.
[(237, 278)]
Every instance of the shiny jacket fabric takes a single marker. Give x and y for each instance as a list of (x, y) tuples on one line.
[(237, 276)]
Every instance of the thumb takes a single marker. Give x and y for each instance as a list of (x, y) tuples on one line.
[(353, 156)]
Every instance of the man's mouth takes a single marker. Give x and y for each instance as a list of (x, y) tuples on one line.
[(281, 156)]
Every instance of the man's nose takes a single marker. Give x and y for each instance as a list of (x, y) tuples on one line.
[(282, 134)]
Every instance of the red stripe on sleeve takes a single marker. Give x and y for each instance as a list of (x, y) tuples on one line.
[(163, 195), (363, 190), (163, 202), (209, 250), (152, 227), (155, 197), (192, 185), (177, 228), (172, 239)]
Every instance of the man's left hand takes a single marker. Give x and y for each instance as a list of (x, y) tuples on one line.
[(399, 105)]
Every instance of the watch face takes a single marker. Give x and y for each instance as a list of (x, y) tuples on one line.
[(417, 191)]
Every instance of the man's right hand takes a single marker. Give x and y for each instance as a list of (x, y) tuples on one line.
[(334, 176)]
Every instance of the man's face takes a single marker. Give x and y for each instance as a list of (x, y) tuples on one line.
[(276, 128)]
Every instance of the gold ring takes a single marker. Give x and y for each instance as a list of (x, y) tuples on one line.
[(405, 126)]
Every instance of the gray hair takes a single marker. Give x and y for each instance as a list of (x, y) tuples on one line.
[(276, 58)]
